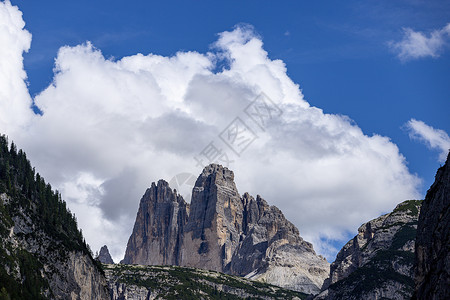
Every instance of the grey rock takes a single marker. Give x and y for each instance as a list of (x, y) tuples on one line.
[(379, 261), (273, 251), (222, 231), (76, 278), (157, 232), (104, 257), (432, 279), (70, 274), (213, 230)]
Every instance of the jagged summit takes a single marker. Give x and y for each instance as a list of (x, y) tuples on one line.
[(158, 227), (222, 231), (104, 257), (217, 168)]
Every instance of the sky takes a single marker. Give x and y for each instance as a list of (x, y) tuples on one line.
[(334, 112)]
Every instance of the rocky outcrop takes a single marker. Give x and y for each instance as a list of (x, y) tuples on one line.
[(273, 251), (78, 277), (157, 232), (224, 232), (104, 257), (378, 262), (432, 279), (58, 271), (214, 227), (170, 282)]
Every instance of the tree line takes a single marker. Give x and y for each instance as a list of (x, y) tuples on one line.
[(30, 192)]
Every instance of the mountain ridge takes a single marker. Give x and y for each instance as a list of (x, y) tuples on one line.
[(173, 282), (379, 261), (222, 231)]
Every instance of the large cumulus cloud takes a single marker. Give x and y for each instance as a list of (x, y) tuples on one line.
[(15, 101), (111, 127)]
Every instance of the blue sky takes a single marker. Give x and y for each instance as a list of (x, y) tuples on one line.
[(342, 55)]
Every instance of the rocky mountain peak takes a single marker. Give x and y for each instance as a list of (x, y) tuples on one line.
[(104, 257), (162, 193), (222, 231), (157, 232), (272, 250), (215, 221), (218, 170)]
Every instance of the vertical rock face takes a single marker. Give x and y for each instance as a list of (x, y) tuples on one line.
[(157, 232), (35, 258), (379, 261), (223, 232), (432, 279), (81, 279), (104, 257), (215, 221)]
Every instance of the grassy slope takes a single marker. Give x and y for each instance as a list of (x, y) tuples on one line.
[(170, 282)]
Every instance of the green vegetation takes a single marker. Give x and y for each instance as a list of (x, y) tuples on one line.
[(32, 194), (406, 233), (33, 284), (172, 281), (27, 194), (410, 206)]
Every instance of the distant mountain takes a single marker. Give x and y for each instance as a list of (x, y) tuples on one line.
[(224, 232), (43, 255), (104, 257), (432, 279), (171, 282), (378, 263), (157, 232)]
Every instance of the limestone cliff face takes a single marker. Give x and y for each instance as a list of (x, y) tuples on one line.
[(157, 232), (433, 240), (77, 277), (37, 258), (213, 230), (224, 232), (378, 262)]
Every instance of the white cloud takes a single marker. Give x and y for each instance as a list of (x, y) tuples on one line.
[(14, 98), (109, 128), (431, 137), (416, 44)]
